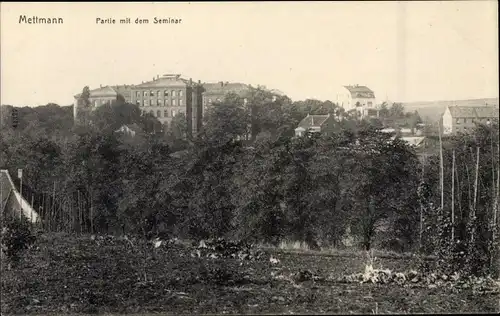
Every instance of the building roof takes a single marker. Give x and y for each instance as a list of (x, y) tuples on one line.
[(133, 127), (165, 81), (388, 130), (124, 90), (313, 121), (105, 91), (481, 111), (225, 87), (360, 91), (414, 140), (110, 91)]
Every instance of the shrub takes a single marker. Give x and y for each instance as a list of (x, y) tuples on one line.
[(17, 236)]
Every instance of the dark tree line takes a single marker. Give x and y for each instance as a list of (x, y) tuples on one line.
[(245, 176)]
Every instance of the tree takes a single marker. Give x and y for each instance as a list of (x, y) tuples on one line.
[(84, 107), (384, 110), (227, 120), (396, 110), (177, 133)]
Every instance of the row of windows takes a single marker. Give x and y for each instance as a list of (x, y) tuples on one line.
[(166, 113), (209, 101), (159, 93), (160, 103), (472, 120)]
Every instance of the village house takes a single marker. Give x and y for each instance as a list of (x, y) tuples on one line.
[(315, 124), (357, 98), (461, 119)]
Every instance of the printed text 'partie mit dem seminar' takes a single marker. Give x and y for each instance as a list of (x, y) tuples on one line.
[(155, 20)]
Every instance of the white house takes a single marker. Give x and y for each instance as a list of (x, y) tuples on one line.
[(356, 97), (464, 118)]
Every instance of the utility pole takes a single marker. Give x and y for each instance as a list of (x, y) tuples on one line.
[(20, 176)]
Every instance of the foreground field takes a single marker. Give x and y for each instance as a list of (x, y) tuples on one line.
[(64, 274)]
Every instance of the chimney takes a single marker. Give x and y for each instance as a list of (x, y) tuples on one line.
[(221, 83), (190, 80), (199, 81), (157, 76)]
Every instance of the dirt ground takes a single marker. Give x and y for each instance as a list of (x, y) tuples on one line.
[(68, 275)]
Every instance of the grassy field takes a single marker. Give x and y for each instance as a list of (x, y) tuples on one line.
[(69, 275)]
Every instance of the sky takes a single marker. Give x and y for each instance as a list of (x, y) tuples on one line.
[(403, 51)]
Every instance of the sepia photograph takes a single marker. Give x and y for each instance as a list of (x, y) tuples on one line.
[(253, 158)]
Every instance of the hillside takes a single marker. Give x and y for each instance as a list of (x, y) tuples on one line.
[(431, 111)]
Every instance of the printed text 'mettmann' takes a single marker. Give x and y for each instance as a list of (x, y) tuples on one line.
[(39, 20)]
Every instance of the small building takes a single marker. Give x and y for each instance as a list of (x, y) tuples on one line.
[(388, 130), (315, 124), (13, 203), (414, 141), (461, 119), (130, 130)]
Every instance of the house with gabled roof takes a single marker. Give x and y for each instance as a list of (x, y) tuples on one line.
[(315, 124), (461, 119), (359, 98)]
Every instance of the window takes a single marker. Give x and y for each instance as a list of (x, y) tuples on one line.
[(204, 101), (180, 93), (138, 103), (145, 102), (465, 120), (488, 121), (209, 101), (458, 121), (152, 112), (165, 113), (173, 93), (218, 100), (158, 93), (165, 93), (94, 103), (159, 102), (370, 104), (138, 94), (173, 113), (180, 102), (145, 93), (167, 102), (173, 102), (158, 113)]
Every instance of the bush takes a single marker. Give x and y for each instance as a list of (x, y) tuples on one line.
[(17, 236)]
